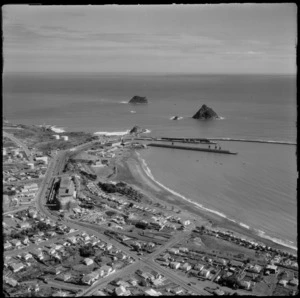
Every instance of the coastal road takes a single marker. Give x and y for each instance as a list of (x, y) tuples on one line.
[(20, 144)]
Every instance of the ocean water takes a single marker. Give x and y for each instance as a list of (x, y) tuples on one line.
[(256, 187)]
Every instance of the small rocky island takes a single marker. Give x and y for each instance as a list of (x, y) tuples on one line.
[(136, 130), (138, 99), (206, 112)]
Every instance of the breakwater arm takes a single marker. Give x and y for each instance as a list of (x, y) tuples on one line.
[(191, 148), (252, 141)]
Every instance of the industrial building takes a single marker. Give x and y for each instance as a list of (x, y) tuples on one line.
[(66, 193)]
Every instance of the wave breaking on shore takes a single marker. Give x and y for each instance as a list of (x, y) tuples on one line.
[(260, 233), (116, 133), (57, 129), (112, 133)]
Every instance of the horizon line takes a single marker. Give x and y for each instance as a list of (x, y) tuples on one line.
[(153, 73)]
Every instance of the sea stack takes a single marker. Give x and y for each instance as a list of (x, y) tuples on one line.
[(206, 112), (138, 99), (136, 130)]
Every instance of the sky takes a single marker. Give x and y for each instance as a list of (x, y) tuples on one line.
[(219, 38)]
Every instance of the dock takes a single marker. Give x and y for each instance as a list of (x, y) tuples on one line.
[(192, 148)]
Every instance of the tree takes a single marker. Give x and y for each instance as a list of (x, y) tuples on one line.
[(87, 251)]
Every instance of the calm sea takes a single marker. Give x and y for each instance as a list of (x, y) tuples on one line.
[(256, 187)]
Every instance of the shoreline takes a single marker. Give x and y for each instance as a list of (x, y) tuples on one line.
[(142, 177)]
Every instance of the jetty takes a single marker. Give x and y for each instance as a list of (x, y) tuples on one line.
[(191, 148)]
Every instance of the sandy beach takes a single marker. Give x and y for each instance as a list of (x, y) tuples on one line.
[(131, 170)]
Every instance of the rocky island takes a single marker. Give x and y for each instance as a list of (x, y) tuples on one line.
[(206, 112), (138, 99), (136, 130)]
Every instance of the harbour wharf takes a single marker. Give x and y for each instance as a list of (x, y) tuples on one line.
[(192, 148)]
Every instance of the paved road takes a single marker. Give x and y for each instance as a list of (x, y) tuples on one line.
[(19, 143), (63, 285), (16, 210)]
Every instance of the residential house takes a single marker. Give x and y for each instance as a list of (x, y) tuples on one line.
[(174, 265), (155, 274), (16, 267), (109, 246), (204, 273), (7, 245), (174, 250), (99, 293), (27, 256), (67, 276), (294, 282), (105, 270), (152, 292), (90, 278), (271, 269), (16, 242), (88, 261), (121, 291), (283, 282), (177, 290), (26, 241), (12, 282), (222, 262), (60, 293), (147, 276), (219, 292), (186, 267), (158, 281), (235, 263), (255, 269), (72, 239), (133, 282), (59, 269), (245, 284)]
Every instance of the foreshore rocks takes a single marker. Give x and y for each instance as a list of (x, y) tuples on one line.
[(138, 99), (206, 112), (136, 130)]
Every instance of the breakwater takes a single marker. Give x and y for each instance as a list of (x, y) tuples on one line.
[(187, 140), (179, 140), (253, 141), (191, 148)]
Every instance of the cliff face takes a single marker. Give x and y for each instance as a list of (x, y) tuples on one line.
[(138, 99), (136, 129), (206, 113)]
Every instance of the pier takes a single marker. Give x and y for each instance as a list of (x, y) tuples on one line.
[(191, 148)]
